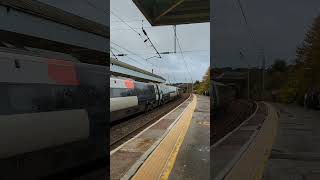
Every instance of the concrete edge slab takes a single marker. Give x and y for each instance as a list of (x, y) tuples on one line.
[(158, 164), (131, 172), (230, 133), (139, 134), (257, 153)]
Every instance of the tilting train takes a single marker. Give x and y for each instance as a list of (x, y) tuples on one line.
[(128, 97), (222, 95), (52, 113)]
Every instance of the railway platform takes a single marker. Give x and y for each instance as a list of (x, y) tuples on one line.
[(243, 152), (174, 147), (194, 153), (296, 152), (128, 158)]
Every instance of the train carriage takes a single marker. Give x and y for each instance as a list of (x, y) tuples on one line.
[(128, 97), (222, 95), (49, 109), (168, 93)]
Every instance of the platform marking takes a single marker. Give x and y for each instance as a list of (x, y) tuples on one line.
[(275, 121), (252, 162), (135, 137), (171, 160), (134, 168), (160, 163)]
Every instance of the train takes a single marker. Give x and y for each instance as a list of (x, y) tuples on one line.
[(129, 97), (222, 96), (53, 113)]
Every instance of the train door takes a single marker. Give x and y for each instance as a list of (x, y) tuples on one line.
[(157, 95), (160, 94)]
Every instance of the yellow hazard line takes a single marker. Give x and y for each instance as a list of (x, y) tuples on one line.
[(161, 161), (166, 171), (253, 161)]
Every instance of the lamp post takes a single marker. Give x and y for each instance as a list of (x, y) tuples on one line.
[(263, 73), (248, 74)]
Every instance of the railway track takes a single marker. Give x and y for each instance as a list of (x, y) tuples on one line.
[(225, 122), (125, 130)]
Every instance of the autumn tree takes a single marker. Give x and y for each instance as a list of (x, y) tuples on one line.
[(308, 57), (307, 69), (203, 86)]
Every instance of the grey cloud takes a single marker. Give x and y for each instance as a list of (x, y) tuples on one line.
[(192, 37), (279, 27)]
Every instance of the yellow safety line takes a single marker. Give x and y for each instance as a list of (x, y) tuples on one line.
[(166, 171), (161, 161), (253, 161), (274, 121)]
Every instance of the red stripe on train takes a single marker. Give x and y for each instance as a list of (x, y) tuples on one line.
[(129, 84), (62, 72)]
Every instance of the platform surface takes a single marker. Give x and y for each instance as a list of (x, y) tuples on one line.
[(127, 158), (193, 159), (244, 147), (296, 152)]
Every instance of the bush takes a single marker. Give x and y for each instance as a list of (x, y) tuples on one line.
[(290, 91)]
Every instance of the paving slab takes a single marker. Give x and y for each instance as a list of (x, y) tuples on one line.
[(159, 163), (296, 152), (127, 158), (227, 153), (193, 159)]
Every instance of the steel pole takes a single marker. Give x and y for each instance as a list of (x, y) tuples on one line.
[(175, 38), (248, 83), (263, 73)]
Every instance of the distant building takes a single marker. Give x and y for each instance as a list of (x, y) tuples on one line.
[(186, 87), (238, 79)]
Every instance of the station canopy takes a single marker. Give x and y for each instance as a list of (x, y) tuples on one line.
[(119, 68), (38, 25), (174, 12)]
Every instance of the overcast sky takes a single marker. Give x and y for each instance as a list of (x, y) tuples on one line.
[(192, 37), (279, 27)]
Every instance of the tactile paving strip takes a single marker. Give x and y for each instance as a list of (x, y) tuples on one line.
[(160, 162), (126, 159)]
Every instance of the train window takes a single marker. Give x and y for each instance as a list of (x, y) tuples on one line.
[(4, 102), (121, 92), (151, 89), (139, 88), (22, 98), (84, 95), (65, 97), (156, 89), (45, 99), (114, 92), (130, 92)]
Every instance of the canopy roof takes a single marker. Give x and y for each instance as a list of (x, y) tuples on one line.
[(42, 26), (174, 12), (119, 68)]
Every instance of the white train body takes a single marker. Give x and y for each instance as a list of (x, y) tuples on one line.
[(128, 97), (49, 106)]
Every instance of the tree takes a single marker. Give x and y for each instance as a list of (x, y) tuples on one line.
[(309, 56), (306, 73), (203, 86), (279, 65)]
